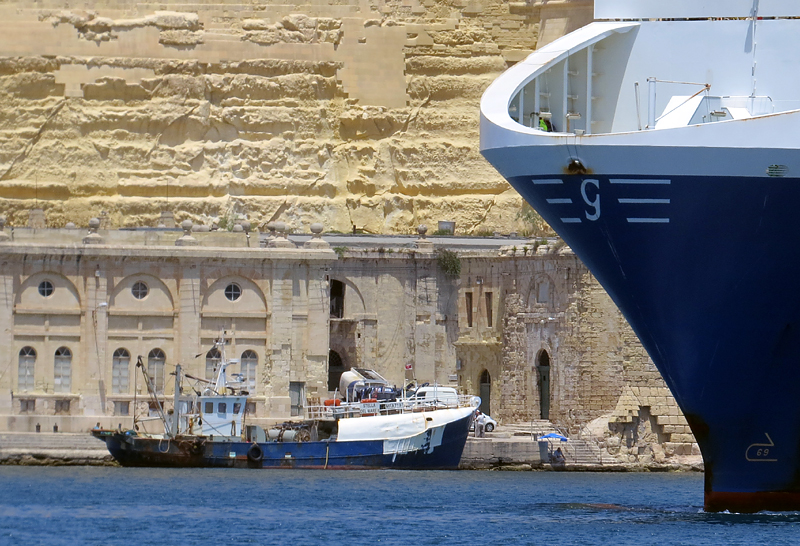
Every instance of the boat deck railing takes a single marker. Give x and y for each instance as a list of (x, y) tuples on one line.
[(347, 410)]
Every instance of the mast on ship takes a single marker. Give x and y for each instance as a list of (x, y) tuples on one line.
[(170, 429), (175, 406)]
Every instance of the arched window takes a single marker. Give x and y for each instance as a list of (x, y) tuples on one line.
[(27, 363), (543, 372), (249, 363), (120, 371), (335, 370), (62, 370), (337, 299), (213, 358), (155, 368), (486, 392), (543, 292)]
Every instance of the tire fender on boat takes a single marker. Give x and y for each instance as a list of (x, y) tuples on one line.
[(255, 453)]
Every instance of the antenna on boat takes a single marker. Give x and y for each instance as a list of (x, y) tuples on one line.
[(754, 17)]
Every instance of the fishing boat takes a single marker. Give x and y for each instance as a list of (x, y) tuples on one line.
[(209, 428), (662, 143)]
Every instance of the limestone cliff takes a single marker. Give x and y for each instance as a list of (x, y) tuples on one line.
[(350, 113)]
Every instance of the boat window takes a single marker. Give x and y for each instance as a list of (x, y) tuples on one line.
[(222, 408), (237, 407), (209, 407)]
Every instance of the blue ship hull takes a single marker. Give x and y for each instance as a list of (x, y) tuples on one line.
[(199, 452), (703, 269)]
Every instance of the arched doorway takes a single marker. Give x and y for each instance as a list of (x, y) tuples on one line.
[(486, 392), (543, 369), (335, 369)]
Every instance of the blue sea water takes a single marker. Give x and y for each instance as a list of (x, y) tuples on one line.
[(123, 506)]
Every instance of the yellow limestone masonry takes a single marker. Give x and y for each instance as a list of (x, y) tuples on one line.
[(349, 113)]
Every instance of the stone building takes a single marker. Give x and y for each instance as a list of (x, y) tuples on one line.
[(520, 323), (77, 316), (539, 338)]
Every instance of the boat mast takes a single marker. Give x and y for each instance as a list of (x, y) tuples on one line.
[(175, 405), (151, 389)]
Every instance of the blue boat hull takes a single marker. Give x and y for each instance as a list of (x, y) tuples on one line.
[(197, 452), (703, 269)]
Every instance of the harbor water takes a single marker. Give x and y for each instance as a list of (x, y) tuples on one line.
[(123, 506)]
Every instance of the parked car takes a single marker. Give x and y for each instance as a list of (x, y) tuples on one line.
[(438, 395), (489, 424)]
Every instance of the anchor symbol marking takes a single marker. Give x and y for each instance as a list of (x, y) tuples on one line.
[(759, 453)]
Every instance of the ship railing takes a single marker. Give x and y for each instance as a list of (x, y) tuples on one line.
[(347, 410)]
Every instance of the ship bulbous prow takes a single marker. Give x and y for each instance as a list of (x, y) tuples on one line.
[(683, 204)]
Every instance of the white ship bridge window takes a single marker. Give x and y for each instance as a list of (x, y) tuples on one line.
[(62, 370), (233, 291), (249, 362), (222, 409), (140, 290), (120, 371), (27, 363), (46, 289), (155, 368), (213, 358)]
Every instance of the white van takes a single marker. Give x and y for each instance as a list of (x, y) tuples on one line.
[(440, 396)]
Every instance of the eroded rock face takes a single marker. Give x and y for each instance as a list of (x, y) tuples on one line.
[(328, 115)]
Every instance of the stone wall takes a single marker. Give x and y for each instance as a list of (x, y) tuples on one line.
[(353, 113), (399, 310), (557, 322)]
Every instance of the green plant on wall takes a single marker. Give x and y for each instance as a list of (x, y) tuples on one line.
[(533, 224), (449, 262), (227, 220), (340, 250)]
